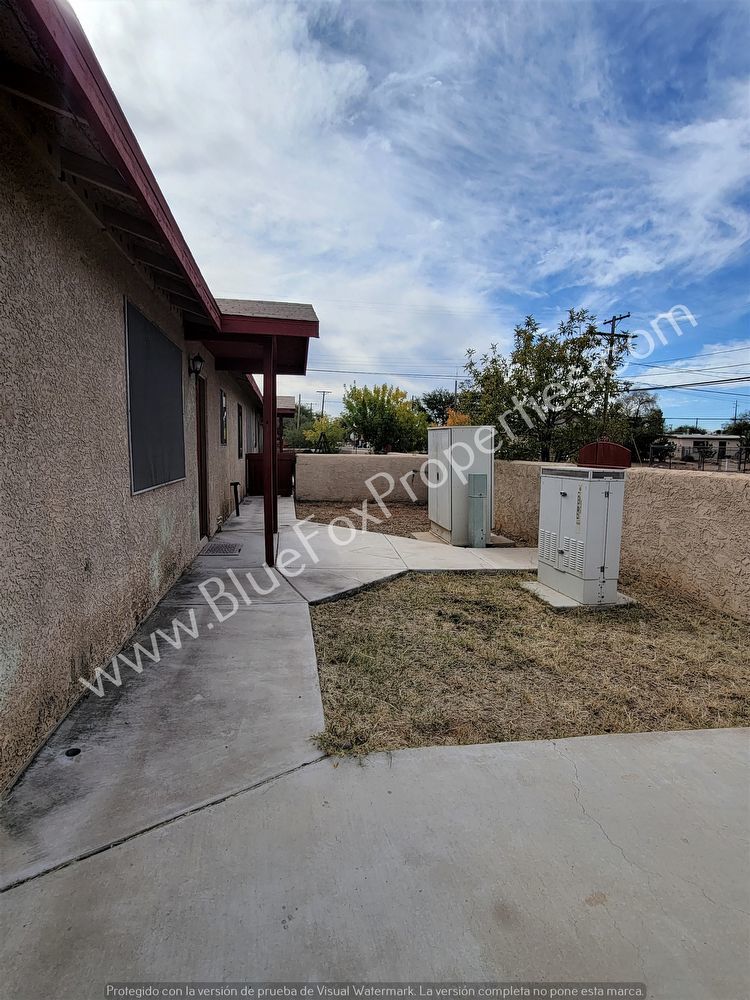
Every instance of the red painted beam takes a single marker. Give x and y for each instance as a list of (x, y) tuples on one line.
[(67, 47), (269, 447), (269, 326)]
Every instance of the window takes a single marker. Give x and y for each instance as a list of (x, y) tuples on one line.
[(240, 443), (155, 369), (223, 415)]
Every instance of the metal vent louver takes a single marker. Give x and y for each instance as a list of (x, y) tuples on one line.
[(574, 551), (548, 546)]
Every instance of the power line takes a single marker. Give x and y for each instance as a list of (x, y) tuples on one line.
[(689, 385), (708, 354), (691, 371)]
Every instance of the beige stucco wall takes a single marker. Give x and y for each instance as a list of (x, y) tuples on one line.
[(225, 465), (687, 530), (343, 477), (81, 559)]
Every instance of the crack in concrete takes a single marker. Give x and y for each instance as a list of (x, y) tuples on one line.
[(192, 811), (627, 940), (648, 872)]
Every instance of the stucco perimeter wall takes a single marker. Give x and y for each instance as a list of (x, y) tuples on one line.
[(686, 530), (343, 478), (82, 560)]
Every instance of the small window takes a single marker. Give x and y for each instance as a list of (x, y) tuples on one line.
[(240, 442), (155, 370), (223, 416)]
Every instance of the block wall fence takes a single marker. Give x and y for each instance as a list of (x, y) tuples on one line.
[(685, 530)]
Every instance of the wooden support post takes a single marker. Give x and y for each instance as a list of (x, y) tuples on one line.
[(275, 446), (269, 448)]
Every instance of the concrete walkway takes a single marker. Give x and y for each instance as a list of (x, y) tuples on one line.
[(199, 835)]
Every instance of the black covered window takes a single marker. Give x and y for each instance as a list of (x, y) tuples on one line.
[(223, 416), (157, 441)]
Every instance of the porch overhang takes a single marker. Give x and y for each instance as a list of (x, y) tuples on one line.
[(93, 151), (245, 326)]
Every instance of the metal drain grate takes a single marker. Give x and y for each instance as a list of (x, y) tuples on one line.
[(222, 549)]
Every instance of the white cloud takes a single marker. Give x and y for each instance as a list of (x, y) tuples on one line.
[(419, 174)]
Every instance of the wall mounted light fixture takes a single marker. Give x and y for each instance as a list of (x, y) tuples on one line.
[(195, 364)]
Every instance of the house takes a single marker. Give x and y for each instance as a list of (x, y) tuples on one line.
[(688, 447), (128, 399)]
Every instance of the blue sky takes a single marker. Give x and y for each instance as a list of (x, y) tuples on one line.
[(428, 174)]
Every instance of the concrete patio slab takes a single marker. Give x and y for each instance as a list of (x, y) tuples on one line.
[(329, 547), (561, 602), (525, 560), (261, 584), (318, 585), (612, 858), (251, 514), (251, 553), (232, 707), (418, 555)]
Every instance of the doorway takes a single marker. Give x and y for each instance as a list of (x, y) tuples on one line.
[(201, 437)]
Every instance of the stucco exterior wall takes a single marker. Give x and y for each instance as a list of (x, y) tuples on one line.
[(343, 477), (686, 530), (82, 560), (225, 465)]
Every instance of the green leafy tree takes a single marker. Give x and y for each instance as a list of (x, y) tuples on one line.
[(436, 404), (689, 429), (385, 418), (661, 450), (639, 422), (546, 397), (294, 437), (332, 428), (740, 426)]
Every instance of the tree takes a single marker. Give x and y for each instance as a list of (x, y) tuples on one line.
[(385, 418), (661, 450), (436, 405), (333, 430), (294, 437), (644, 420), (689, 429), (457, 419), (546, 398), (740, 426)]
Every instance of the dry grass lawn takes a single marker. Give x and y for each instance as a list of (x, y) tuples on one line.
[(454, 658), (405, 517)]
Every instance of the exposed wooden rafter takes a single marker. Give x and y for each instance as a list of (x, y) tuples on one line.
[(185, 302), (34, 87), (130, 224), (169, 283), (93, 172), (157, 261)]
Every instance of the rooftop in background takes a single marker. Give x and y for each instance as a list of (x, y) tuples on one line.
[(258, 308), (711, 434), (286, 405)]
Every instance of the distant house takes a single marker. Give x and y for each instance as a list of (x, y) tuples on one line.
[(720, 446), (128, 406)]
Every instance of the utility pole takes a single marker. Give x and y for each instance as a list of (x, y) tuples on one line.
[(299, 408), (324, 393), (612, 337)]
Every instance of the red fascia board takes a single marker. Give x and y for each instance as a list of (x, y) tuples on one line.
[(69, 50), (255, 388), (269, 326)]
